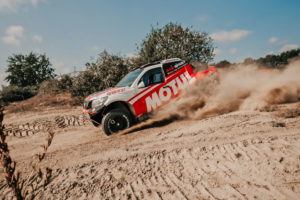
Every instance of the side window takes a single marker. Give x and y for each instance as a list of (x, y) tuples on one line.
[(153, 76)]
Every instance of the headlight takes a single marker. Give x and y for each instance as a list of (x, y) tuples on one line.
[(99, 102)]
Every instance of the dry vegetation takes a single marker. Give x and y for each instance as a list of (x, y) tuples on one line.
[(44, 102)]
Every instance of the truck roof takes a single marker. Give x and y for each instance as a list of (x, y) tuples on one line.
[(160, 62)]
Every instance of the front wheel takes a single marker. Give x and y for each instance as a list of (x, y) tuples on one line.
[(115, 121)]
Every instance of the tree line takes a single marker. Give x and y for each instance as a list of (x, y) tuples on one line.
[(268, 61)]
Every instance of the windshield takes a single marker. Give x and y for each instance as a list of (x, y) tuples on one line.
[(129, 78)]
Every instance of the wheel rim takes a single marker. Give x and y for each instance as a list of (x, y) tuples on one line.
[(117, 123)]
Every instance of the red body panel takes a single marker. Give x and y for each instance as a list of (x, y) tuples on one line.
[(158, 95)]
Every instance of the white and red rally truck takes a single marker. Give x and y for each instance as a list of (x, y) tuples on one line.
[(140, 92)]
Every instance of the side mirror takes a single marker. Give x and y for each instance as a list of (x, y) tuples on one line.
[(141, 85)]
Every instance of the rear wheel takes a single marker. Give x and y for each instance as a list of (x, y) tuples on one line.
[(115, 121)]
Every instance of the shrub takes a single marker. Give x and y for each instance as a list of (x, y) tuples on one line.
[(106, 72), (56, 86), (49, 86), (15, 93), (65, 83), (85, 83)]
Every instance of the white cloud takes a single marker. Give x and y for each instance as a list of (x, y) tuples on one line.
[(38, 38), (233, 51), (13, 35), (130, 55), (14, 5), (61, 67), (288, 47), (217, 51), (95, 48), (273, 40), (230, 36), (57, 64), (15, 30), (270, 53), (2, 77), (202, 19), (34, 2), (12, 40)]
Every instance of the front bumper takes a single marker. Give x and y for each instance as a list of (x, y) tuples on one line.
[(93, 111)]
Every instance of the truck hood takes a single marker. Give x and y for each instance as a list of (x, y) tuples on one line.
[(107, 92)]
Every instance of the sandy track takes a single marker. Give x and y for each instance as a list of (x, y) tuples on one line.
[(241, 155)]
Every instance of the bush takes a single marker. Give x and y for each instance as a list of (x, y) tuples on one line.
[(56, 86), (223, 63), (275, 61), (65, 83), (15, 93), (106, 72), (49, 86), (85, 83)]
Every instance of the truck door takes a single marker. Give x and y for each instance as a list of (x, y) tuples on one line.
[(153, 81)]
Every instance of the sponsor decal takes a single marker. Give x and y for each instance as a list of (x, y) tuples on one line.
[(172, 67), (108, 92), (169, 69), (116, 91), (164, 94)]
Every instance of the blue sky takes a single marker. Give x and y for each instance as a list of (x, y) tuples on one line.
[(71, 32)]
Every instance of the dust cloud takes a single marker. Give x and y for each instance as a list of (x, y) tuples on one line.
[(241, 87)]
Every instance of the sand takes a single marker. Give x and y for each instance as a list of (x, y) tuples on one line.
[(237, 138), (238, 155)]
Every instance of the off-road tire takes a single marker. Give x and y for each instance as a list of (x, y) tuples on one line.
[(115, 121)]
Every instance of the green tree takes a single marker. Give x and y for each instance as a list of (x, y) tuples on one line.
[(108, 68), (173, 40), (28, 70), (105, 72), (249, 61), (278, 61), (223, 63)]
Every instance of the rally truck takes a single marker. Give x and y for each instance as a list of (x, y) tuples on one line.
[(140, 92)]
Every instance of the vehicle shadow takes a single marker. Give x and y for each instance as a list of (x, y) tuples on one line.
[(151, 123)]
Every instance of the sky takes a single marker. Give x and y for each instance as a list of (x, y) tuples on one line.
[(73, 32)]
